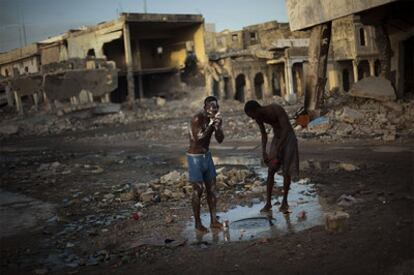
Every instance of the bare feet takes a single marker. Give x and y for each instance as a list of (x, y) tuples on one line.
[(266, 208), (216, 225), (284, 208), (201, 228)]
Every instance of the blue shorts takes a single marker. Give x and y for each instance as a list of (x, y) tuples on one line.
[(201, 167)]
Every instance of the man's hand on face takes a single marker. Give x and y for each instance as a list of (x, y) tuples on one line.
[(218, 121)]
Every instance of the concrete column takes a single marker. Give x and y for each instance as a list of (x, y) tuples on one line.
[(90, 96), (248, 91), (267, 91), (290, 94), (371, 67), (18, 100), (139, 66), (9, 95), (36, 101), (316, 74), (355, 70), (46, 102), (129, 64)]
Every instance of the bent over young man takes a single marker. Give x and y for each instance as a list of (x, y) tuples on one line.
[(202, 173), (283, 148)]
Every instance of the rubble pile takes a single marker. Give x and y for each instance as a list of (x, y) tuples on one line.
[(364, 118)]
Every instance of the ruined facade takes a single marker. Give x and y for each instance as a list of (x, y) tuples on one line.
[(255, 62), (150, 53), (367, 38)]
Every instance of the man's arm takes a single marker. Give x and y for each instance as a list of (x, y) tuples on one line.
[(197, 132), (218, 122), (264, 141)]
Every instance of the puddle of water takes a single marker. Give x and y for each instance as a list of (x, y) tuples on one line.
[(226, 161), (247, 223)]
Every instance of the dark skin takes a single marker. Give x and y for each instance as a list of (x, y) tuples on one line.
[(203, 125), (277, 117)]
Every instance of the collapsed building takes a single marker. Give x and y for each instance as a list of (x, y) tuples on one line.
[(367, 39), (134, 56), (351, 41), (259, 61)]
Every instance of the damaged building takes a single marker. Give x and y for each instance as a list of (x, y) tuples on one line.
[(351, 41), (140, 55), (257, 62)]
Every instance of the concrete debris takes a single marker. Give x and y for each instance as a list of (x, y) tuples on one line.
[(335, 222), (173, 176), (347, 200), (350, 115), (348, 167), (377, 88), (147, 196), (160, 101)]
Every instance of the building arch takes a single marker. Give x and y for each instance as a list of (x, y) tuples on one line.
[(258, 85), (240, 87)]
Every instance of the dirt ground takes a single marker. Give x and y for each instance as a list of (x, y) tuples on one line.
[(74, 210)]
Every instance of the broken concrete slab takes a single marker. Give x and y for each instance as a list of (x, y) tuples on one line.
[(335, 222), (377, 88), (350, 115)]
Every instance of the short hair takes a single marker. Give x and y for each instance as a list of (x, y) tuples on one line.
[(251, 106), (210, 99)]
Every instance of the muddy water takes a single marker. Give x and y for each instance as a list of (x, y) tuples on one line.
[(247, 223)]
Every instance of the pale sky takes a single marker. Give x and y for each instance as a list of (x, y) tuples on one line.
[(45, 18)]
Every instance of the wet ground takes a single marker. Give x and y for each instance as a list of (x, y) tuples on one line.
[(248, 223), (66, 208)]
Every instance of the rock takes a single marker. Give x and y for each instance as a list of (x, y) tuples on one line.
[(173, 176), (178, 195), (377, 88), (319, 125), (168, 193), (344, 129), (347, 200), (258, 187), (350, 115), (398, 108), (109, 196), (147, 196), (389, 135), (159, 101), (139, 188), (348, 167), (105, 109), (335, 222), (127, 196), (8, 130)]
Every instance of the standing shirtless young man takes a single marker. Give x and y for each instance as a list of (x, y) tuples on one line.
[(202, 173), (283, 148)]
